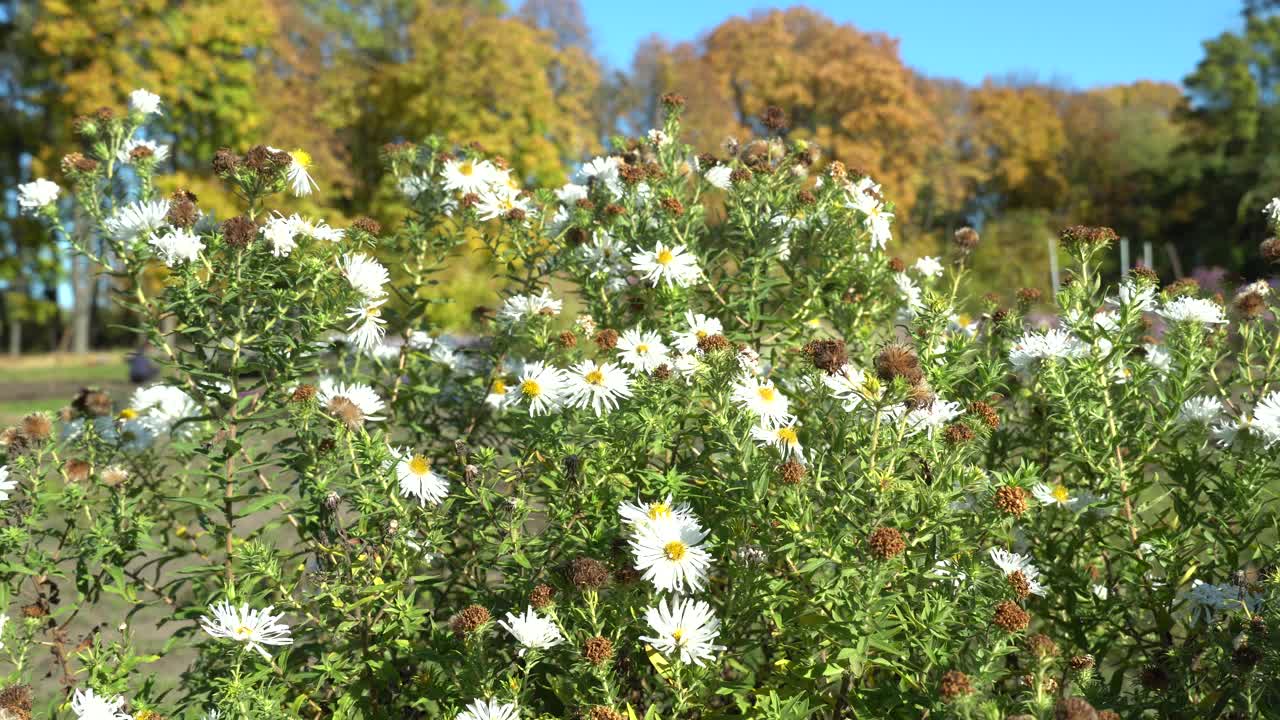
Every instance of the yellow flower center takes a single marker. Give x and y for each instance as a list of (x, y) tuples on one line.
[(701, 334), (659, 510), (767, 394), (1060, 493), (244, 632), (678, 636), (675, 550), (531, 388), (302, 157), (128, 414), (642, 349), (665, 257), (419, 465), (467, 168), (788, 435), (595, 377), (499, 387)]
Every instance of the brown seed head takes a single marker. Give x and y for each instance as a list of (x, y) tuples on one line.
[(1142, 273), (94, 403), (75, 162), (567, 339), (588, 573), (346, 411), (1020, 584), (77, 470), (114, 476), (104, 114), (17, 699), (225, 161), (672, 205), (1182, 286), (541, 596), (239, 231), (958, 434), (1087, 236), (805, 197), (740, 175), (1028, 296), (472, 619), (898, 360), (367, 224), (672, 101), (1270, 250), (598, 650), (37, 427), (966, 238), (1042, 646), (1250, 305), (986, 413), (954, 684), (614, 210), (1074, 708), (792, 472), (774, 118), (303, 393), (662, 372), (1108, 715), (1154, 677), (826, 355), (886, 542), (183, 212), (1010, 617), (606, 339), (1011, 500), (1080, 663), (600, 712), (1245, 656), (714, 343)]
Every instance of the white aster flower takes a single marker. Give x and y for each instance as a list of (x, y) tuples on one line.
[(366, 275), (763, 400), (719, 176), (1135, 294), (1201, 410), (158, 152), (1058, 495), (643, 351), (162, 407), (659, 138), (1034, 347), (1158, 358), (570, 193), (411, 186), (279, 231), (685, 627), (532, 631), (418, 481), (1190, 309), (1257, 287), (138, 219), (1266, 418), (368, 327), (876, 219), (849, 386), (602, 171), (6, 483), (643, 513), (669, 554), (910, 292), (1272, 211), (928, 267), (255, 628), (931, 417), (144, 102), (688, 365), (598, 386), (518, 307), (36, 195), (353, 403), (542, 386), (674, 266), (467, 175), (699, 326), (1010, 563), (489, 710), (298, 175), (495, 205), (176, 246), (783, 437), (1207, 600), (89, 705)]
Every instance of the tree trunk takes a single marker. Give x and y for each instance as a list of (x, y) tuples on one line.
[(82, 282)]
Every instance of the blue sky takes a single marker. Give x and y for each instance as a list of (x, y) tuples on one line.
[(1085, 43)]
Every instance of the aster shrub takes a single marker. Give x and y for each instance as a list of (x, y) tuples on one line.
[(714, 454)]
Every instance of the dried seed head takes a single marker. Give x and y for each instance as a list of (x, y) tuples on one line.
[(567, 339), (1042, 646), (826, 355), (598, 650), (986, 413), (1087, 236), (1182, 286), (662, 372), (77, 470), (303, 393), (614, 210), (672, 206), (1028, 296), (1144, 274), (588, 573), (183, 212), (37, 427), (1250, 305), (920, 397), (958, 434), (714, 343), (898, 360), (471, 620), (367, 224), (1108, 715), (966, 238), (73, 163), (1074, 708), (805, 197), (1270, 250), (348, 412), (774, 118), (1080, 663), (897, 264), (1011, 500), (954, 684), (94, 403), (672, 101), (886, 542), (601, 712), (1020, 584), (34, 610), (332, 500), (115, 476), (792, 472), (16, 700), (1010, 617), (516, 215), (239, 231), (225, 161), (541, 596), (606, 339), (104, 114)]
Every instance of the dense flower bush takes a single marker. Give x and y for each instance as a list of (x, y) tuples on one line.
[(717, 454)]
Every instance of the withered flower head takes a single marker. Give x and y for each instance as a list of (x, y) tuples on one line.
[(614, 210), (75, 162), (367, 224), (1250, 305), (986, 413), (225, 161), (896, 264), (1270, 250), (303, 393), (886, 542), (1010, 617), (966, 238), (346, 411), (958, 434), (470, 620), (672, 205), (740, 175), (541, 596), (37, 427), (1074, 708), (1087, 236), (792, 472), (114, 476), (774, 118), (826, 355), (805, 197), (600, 712), (77, 470), (1011, 500), (1028, 296), (567, 339), (672, 101), (94, 403), (714, 343), (588, 573), (598, 650), (1080, 663), (182, 209), (16, 700), (1042, 646), (239, 231), (1142, 273), (954, 684), (898, 360), (662, 372), (1019, 583), (606, 339)]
